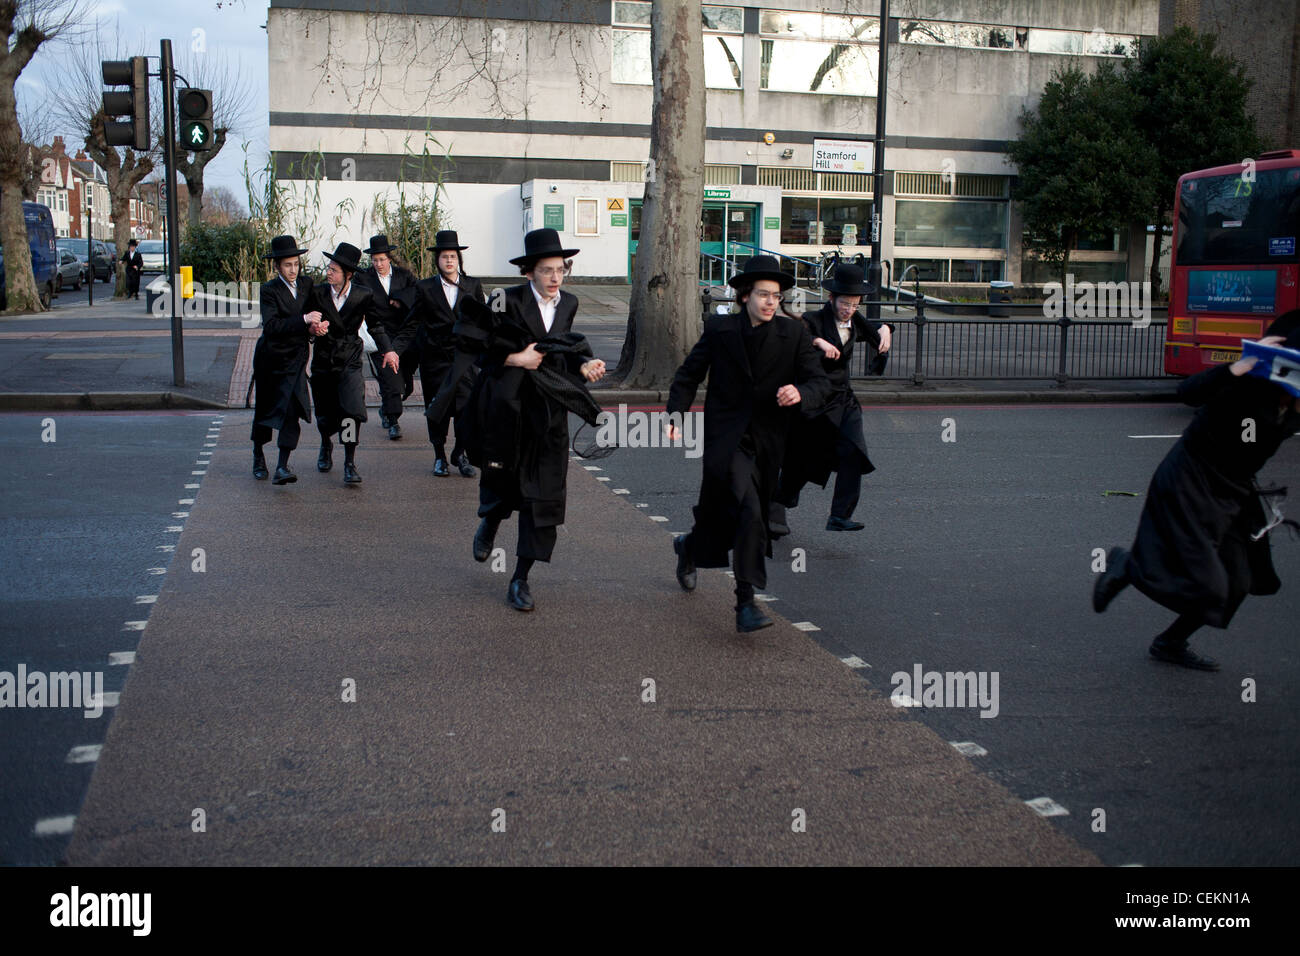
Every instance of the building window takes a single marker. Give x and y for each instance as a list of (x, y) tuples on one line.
[(994, 36), (826, 220), (970, 185), (797, 178), (965, 224), (723, 27), (63, 201), (818, 53)]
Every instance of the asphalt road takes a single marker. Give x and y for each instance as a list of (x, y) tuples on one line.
[(84, 526), (977, 557)]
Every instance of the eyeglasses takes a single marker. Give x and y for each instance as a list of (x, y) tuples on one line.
[(550, 273), (768, 296)]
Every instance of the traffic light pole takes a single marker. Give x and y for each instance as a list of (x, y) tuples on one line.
[(173, 235), (878, 182)]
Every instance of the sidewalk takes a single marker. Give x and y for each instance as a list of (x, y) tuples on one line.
[(466, 709), (116, 356)]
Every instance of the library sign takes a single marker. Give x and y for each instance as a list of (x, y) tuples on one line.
[(844, 156)]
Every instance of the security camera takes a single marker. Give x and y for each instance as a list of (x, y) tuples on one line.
[(555, 189)]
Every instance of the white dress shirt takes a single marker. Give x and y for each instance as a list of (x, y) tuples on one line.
[(386, 281), (450, 290), (844, 328), (546, 306), (293, 287), (341, 296)]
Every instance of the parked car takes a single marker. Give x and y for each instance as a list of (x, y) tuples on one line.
[(151, 251), (71, 272), (99, 262), (40, 239)]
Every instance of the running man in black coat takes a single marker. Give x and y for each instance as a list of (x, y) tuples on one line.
[(1196, 550), (280, 359), (533, 426), (391, 288), (438, 303), (831, 438), (338, 384), (761, 367)]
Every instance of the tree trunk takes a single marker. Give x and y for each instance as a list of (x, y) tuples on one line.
[(664, 314), (122, 176), (21, 294)]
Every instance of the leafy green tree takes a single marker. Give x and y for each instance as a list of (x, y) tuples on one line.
[(1191, 105), (1084, 164)]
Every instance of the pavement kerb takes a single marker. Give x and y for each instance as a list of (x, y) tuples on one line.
[(101, 401)]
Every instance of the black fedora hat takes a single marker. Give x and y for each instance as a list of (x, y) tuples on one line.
[(761, 267), (446, 240), (284, 247), (541, 244), (346, 255), (846, 280), (379, 244)]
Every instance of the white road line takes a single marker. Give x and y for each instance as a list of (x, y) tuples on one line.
[(806, 626), (658, 518), (134, 625), (603, 478), (591, 468), (642, 504), (146, 599), (209, 444), (180, 514), (54, 826), (166, 547), (185, 501), (621, 491), (1155, 436), (157, 570), (110, 698), (198, 472), (766, 597), (855, 662), (171, 528), (116, 658), (1047, 807), (193, 486), (86, 753), (902, 700), (969, 748)]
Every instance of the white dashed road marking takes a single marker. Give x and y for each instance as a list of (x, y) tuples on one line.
[(87, 753), (806, 626), (121, 657), (1047, 807), (854, 661), (54, 826), (969, 748)]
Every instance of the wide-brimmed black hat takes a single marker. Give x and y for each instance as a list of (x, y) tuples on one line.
[(846, 280), (284, 247), (346, 255), (761, 267), (379, 244), (541, 244), (446, 240)]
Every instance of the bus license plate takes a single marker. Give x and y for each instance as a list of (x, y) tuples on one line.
[(1221, 355)]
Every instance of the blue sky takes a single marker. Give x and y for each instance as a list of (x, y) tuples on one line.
[(228, 28)]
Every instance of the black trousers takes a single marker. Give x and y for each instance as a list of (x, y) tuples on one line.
[(496, 502), (132, 281), (848, 473), (434, 365), (289, 434), (393, 386)]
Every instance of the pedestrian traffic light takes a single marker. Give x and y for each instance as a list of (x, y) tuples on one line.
[(134, 104), (196, 119)]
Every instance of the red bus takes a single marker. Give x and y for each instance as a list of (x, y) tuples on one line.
[(1234, 264)]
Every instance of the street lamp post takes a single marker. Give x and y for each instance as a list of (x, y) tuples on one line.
[(878, 182)]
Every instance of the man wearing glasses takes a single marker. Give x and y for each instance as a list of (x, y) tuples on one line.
[(762, 368)]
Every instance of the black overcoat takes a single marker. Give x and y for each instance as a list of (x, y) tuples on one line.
[(742, 399), (516, 434), (810, 454), (1193, 552), (338, 384), (280, 358), (400, 288), (429, 328)]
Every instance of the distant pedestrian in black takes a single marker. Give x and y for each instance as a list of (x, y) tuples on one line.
[(523, 426), (338, 385), (439, 302), (762, 368), (1199, 549), (280, 359), (831, 438), (392, 288), (134, 266)]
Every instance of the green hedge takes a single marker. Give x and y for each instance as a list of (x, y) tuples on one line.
[(221, 253)]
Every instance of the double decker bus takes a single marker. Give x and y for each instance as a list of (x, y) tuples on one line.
[(1234, 264)]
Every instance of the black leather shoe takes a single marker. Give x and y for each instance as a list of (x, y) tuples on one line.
[(1181, 655), (519, 597), (484, 537), (394, 431), (466, 469), (259, 466), (440, 469), (686, 576), (843, 524), (776, 523), (750, 618), (1111, 581), (350, 476), (325, 460), (283, 476)]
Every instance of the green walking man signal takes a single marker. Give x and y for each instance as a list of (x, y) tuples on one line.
[(195, 108)]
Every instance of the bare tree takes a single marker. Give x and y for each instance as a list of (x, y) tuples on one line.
[(24, 26), (80, 107), (222, 207), (232, 101), (664, 318)]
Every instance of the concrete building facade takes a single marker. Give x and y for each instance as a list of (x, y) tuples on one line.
[(537, 112)]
